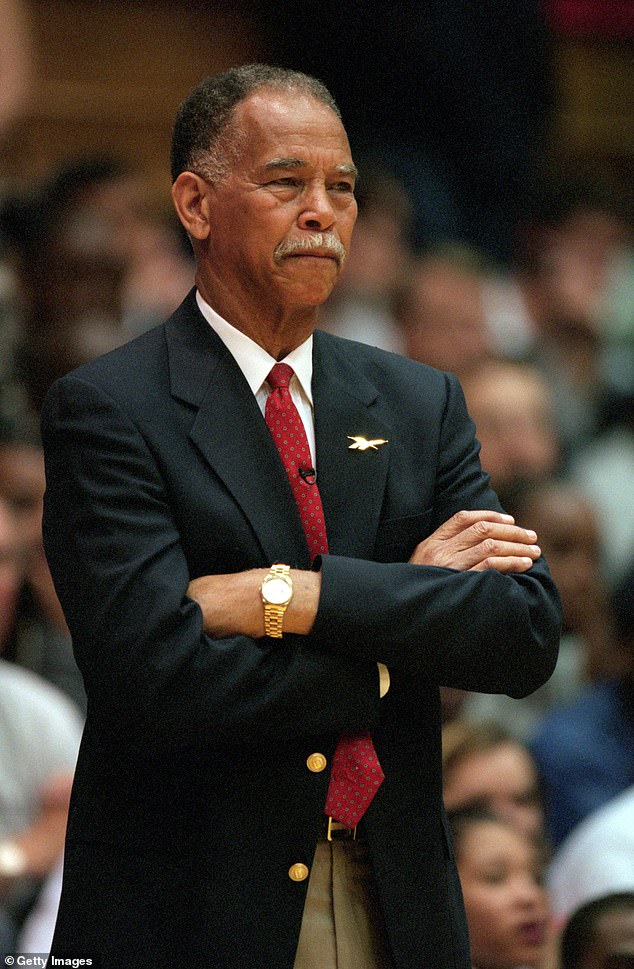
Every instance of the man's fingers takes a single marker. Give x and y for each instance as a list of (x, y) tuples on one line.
[(484, 531), (492, 548), (511, 563), (471, 539), (490, 553), (464, 519)]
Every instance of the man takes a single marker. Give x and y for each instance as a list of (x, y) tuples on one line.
[(441, 311), (36, 633), (512, 407), (40, 731), (600, 934), (175, 530), (597, 857)]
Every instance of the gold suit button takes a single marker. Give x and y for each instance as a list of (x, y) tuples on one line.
[(298, 872), (316, 763)]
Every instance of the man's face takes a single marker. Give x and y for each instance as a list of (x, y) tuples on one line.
[(504, 779), (613, 944), (22, 484), (446, 325), (292, 185), (507, 907), (512, 413)]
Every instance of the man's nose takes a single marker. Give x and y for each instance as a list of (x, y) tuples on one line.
[(528, 892), (317, 211)]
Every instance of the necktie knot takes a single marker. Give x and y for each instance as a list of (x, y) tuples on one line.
[(280, 376)]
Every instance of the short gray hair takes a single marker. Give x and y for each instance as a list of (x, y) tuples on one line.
[(203, 120)]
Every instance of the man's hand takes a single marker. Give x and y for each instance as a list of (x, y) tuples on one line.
[(478, 540)]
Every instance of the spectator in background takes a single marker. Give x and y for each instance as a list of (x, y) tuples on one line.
[(582, 237), (600, 934), (570, 538), (506, 904), (484, 765), (36, 635), (10, 578), (362, 306), (12, 566), (604, 471), (572, 272), (158, 259), (513, 411), (571, 534), (39, 739), (441, 312), (585, 750), (70, 271), (596, 858), (93, 265)]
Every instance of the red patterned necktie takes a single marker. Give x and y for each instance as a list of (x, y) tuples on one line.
[(356, 774)]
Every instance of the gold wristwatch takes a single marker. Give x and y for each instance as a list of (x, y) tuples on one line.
[(277, 592)]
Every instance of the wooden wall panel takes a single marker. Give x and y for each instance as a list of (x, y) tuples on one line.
[(595, 115), (109, 74)]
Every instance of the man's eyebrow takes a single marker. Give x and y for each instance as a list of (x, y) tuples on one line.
[(348, 169), (275, 164)]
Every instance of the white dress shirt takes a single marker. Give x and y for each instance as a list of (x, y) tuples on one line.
[(256, 364)]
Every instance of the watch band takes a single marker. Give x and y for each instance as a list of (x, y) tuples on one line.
[(274, 612), (273, 618)]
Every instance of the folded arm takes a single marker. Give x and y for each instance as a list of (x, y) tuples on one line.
[(469, 541), (460, 612)]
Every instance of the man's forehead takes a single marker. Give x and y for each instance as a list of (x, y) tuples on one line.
[(285, 120)]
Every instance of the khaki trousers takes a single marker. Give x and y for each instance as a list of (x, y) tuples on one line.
[(342, 926)]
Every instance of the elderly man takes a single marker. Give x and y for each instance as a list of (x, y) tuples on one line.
[(272, 546)]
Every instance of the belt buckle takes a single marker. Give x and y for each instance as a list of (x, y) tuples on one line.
[(336, 830)]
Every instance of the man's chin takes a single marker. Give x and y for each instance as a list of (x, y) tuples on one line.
[(308, 293)]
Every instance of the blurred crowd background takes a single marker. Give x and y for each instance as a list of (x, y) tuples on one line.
[(495, 239)]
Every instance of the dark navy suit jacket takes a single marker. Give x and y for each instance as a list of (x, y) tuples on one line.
[(192, 796)]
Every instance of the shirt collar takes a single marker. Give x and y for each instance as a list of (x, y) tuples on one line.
[(253, 360)]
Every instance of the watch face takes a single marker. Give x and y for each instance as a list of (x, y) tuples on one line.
[(276, 591)]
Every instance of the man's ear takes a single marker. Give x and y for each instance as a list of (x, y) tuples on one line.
[(190, 194)]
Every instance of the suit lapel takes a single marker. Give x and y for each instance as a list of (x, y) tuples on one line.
[(230, 432), (351, 482)]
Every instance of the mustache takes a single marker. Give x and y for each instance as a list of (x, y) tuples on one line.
[(322, 241)]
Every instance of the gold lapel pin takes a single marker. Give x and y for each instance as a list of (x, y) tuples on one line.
[(362, 444)]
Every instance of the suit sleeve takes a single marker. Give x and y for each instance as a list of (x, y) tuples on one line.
[(480, 631), (120, 571)]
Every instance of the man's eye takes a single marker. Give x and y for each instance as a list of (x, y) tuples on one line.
[(288, 182), (343, 187), (494, 877)]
